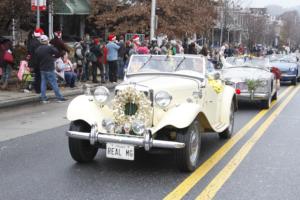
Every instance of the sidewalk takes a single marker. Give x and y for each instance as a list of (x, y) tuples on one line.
[(15, 98)]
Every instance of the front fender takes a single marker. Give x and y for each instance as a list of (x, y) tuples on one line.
[(228, 97), (85, 108), (179, 117)]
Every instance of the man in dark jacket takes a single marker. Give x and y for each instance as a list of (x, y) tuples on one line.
[(58, 43), (95, 55), (33, 44), (45, 55)]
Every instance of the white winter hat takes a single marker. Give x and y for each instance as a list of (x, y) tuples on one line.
[(44, 38)]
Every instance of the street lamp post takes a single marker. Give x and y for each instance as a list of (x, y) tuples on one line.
[(152, 25), (38, 14)]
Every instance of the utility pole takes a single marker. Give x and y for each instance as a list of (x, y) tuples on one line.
[(38, 17), (152, 25), (13, 24), (50, 19), (222, 25)]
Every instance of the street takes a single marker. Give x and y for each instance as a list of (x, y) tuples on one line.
[(260, 161)]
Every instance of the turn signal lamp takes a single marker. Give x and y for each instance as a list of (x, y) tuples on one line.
[(237, 91)]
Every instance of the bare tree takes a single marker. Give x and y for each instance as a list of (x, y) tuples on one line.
[(177, 17)]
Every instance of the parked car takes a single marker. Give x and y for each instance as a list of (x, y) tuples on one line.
[(164, 102), (289, 67), (252, 79)]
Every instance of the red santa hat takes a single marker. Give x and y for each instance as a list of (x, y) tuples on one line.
[(112, 37), (38, 32), (135, 38)]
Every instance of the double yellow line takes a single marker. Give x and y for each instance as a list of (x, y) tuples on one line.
[(182, 189), (214, 186)]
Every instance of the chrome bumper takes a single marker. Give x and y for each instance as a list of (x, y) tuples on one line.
[(254, 96), (288, 75), (147, 141)]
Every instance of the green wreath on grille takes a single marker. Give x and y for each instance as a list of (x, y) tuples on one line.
[(131, 105)]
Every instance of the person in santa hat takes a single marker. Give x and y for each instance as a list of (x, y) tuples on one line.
[(33, 44), (58, 43), (112, 58), (136, 41)]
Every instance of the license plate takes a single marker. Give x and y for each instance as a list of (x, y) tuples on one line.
[(120, 151)]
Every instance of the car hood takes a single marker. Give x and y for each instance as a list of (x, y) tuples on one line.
[(242, 73), (162, 82), (283, 66)]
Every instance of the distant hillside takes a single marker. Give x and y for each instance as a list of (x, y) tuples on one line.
[(276, 10)]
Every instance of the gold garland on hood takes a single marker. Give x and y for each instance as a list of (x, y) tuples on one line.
[(131, 95)]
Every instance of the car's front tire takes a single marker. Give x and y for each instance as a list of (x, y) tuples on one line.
[(81, 150), (294, 81), (229, 130), (187, 157), (266, 103), (274, 96)]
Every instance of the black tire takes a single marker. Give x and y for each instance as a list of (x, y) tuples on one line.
[(274, 96), (81, 150), (186, 159), (266, 103), (294, 81), (229, 130)]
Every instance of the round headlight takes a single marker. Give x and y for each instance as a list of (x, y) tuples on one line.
[(292, 69), (264, 83), (163, 99), (101, 94), (109, 125), (138, 127)]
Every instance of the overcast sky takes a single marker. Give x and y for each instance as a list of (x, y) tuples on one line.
[(263, 3)]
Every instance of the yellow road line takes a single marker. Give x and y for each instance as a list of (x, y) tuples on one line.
[(184, 187), (214, 186)]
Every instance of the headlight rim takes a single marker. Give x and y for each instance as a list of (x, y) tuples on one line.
[(157, 102), (106, 91), (292, 69)]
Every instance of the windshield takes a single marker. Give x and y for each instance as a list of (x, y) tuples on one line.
[(255, 62), (283, 58), (164, 64)]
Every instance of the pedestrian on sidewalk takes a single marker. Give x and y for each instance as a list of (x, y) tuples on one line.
[(58, 43), (104, 61), (46, 56), (6, 62), (79, 59), (33, 44), (95, 56), (121, 55), (64, 68), (112, 58)]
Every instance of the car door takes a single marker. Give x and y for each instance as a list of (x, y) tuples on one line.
[(213, 99)]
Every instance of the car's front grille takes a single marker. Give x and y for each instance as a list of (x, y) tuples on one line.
[(130, 109), (242, 86)]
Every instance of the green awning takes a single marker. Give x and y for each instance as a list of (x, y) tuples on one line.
[(72, 7)]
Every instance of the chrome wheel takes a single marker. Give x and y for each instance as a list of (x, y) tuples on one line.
[(187, 157), (194, 145)]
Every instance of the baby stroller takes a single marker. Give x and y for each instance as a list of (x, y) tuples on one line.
[(25, 77)]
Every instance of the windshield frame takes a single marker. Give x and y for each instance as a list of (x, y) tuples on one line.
[(265, 66), (180, 57)]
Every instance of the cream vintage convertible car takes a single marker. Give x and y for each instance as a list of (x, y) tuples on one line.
[(164, 102)]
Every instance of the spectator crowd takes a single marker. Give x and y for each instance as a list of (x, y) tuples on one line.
[(52, 62)]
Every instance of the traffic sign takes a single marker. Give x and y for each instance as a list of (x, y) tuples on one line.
[(42, 5)]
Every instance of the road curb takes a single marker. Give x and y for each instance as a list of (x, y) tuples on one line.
[(36, 97)]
